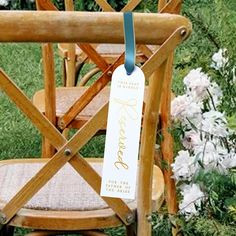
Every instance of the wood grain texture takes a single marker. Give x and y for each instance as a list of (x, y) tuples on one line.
[(45, 4), (89, 94), (163, 52), (50, 132), (105, 5), (75, 220), (69, 5), (130, 6), (104, 27), (94, 56), (172, 6), (167, 143), (148, 140), (48, 149)]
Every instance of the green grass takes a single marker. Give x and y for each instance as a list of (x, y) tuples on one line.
[(22, 62)]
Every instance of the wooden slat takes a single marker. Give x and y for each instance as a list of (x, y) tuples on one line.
[(104, 5), (70, 65), (172, 6), (45, 5), (50, 98), (130, 6), (161, 4), (69, 5), (71, 48), (148, 140), (39, 26), (70, 60), (50, 132), (36, 117), (145, 50), (116, 204), (94, 56), (167, 142), (66, 220), (163, 52), (89, 94), (148, 68), (55, 164)]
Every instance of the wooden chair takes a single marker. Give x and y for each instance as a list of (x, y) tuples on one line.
[(106, 57), (106, 63), (74, 56), (42, 193)]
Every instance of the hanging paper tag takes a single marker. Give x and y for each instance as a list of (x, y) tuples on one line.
[(123, 134)]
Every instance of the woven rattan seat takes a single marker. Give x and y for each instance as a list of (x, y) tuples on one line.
[(66, 96), (109, 52), (66, 191)]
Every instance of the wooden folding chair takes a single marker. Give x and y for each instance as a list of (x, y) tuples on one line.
[(75, 56), (106, 57), (51, 194), (105, 62)]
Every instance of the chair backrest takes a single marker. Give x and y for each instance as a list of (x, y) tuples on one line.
[(159, 29), (164, 6), (90, 52)]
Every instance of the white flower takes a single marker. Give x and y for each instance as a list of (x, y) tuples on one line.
[(197, 84), (191, 139), (184, 107), (234, 75), (183, 167), (4, 3), (216, 94), (208, 155), (228, 161), (192, 198), (214, 123), (219, 60)]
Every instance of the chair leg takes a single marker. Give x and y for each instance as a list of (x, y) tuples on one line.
[(131, 230), (78, 68), (7, 230), (167, 144), (47, 149), (64, 72)]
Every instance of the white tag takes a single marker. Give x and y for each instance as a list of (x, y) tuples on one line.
[(123, 134)]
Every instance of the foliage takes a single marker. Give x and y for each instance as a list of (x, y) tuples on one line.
[(80, 5), (221, 192), (213, 28), (202, 226)]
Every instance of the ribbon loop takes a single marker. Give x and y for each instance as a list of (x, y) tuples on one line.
[(129, 43)]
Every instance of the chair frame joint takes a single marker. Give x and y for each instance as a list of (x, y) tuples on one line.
[(130, 218), (149, 218), (3, 219)]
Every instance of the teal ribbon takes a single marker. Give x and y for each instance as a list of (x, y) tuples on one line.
[(129, 42)]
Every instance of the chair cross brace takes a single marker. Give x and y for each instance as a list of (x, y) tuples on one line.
[(128, 7), (148, 68), (67, 150), (61, 157)]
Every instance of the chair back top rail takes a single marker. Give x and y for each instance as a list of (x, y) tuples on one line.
[(89, 27)]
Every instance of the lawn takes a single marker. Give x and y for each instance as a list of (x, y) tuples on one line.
[(22, 62)]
